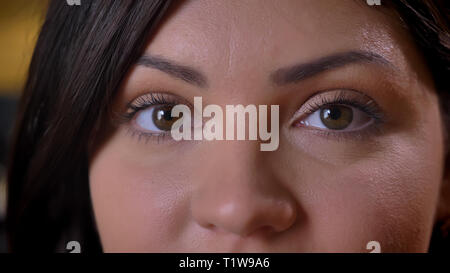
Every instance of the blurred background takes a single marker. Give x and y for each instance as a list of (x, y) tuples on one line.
[(20, 21)]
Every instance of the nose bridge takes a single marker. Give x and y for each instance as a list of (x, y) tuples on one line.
[(238, 195)]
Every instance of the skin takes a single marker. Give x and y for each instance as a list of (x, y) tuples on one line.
[(317, 192)]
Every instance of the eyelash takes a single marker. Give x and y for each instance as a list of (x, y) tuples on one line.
[(363, 103), (148, 100), (141, 103)]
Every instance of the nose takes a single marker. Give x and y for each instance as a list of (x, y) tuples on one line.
[(238, 194)]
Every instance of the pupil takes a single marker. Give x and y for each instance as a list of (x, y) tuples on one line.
[(333, 113), (162, 117), (166, 115)]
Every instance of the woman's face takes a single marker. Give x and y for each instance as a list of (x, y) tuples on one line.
[(360, 155)]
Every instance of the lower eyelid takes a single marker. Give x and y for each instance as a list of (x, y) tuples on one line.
[(374, 127), (348, 97), (326, 96), (146, 136), (368, 132)]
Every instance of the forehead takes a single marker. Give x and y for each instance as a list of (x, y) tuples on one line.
[(243, 29), (233, 39)]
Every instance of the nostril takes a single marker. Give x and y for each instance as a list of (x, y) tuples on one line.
[(263, 219), (264, 231), (243, 207), (206, 224)]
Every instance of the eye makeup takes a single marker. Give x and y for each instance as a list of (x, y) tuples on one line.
[(150, 99), (159, 100), (347, 98), (356, 101)]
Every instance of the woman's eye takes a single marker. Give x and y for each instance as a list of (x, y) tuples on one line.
[(156, 118), (337, 117)]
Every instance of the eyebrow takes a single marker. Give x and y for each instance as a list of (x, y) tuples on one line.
[(185, 73), (282, 76), (302, 71)]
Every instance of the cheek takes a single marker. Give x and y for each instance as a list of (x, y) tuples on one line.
[(390, 199), (354, 193), (136, 207), (405, 191)]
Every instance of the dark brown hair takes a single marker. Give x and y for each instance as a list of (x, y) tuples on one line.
[(82, 55), (428, 21)]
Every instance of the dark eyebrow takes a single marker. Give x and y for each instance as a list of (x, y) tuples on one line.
[(185, 73), (302, 71)]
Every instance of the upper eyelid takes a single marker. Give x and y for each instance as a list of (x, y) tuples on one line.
[(155, 96), (148, 99), (314, 102), (120, 117), (338, 95), (347, 102), (350, 94), (143, 102)]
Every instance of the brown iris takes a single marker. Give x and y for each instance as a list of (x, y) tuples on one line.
[(162, 117), (336, 117)]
